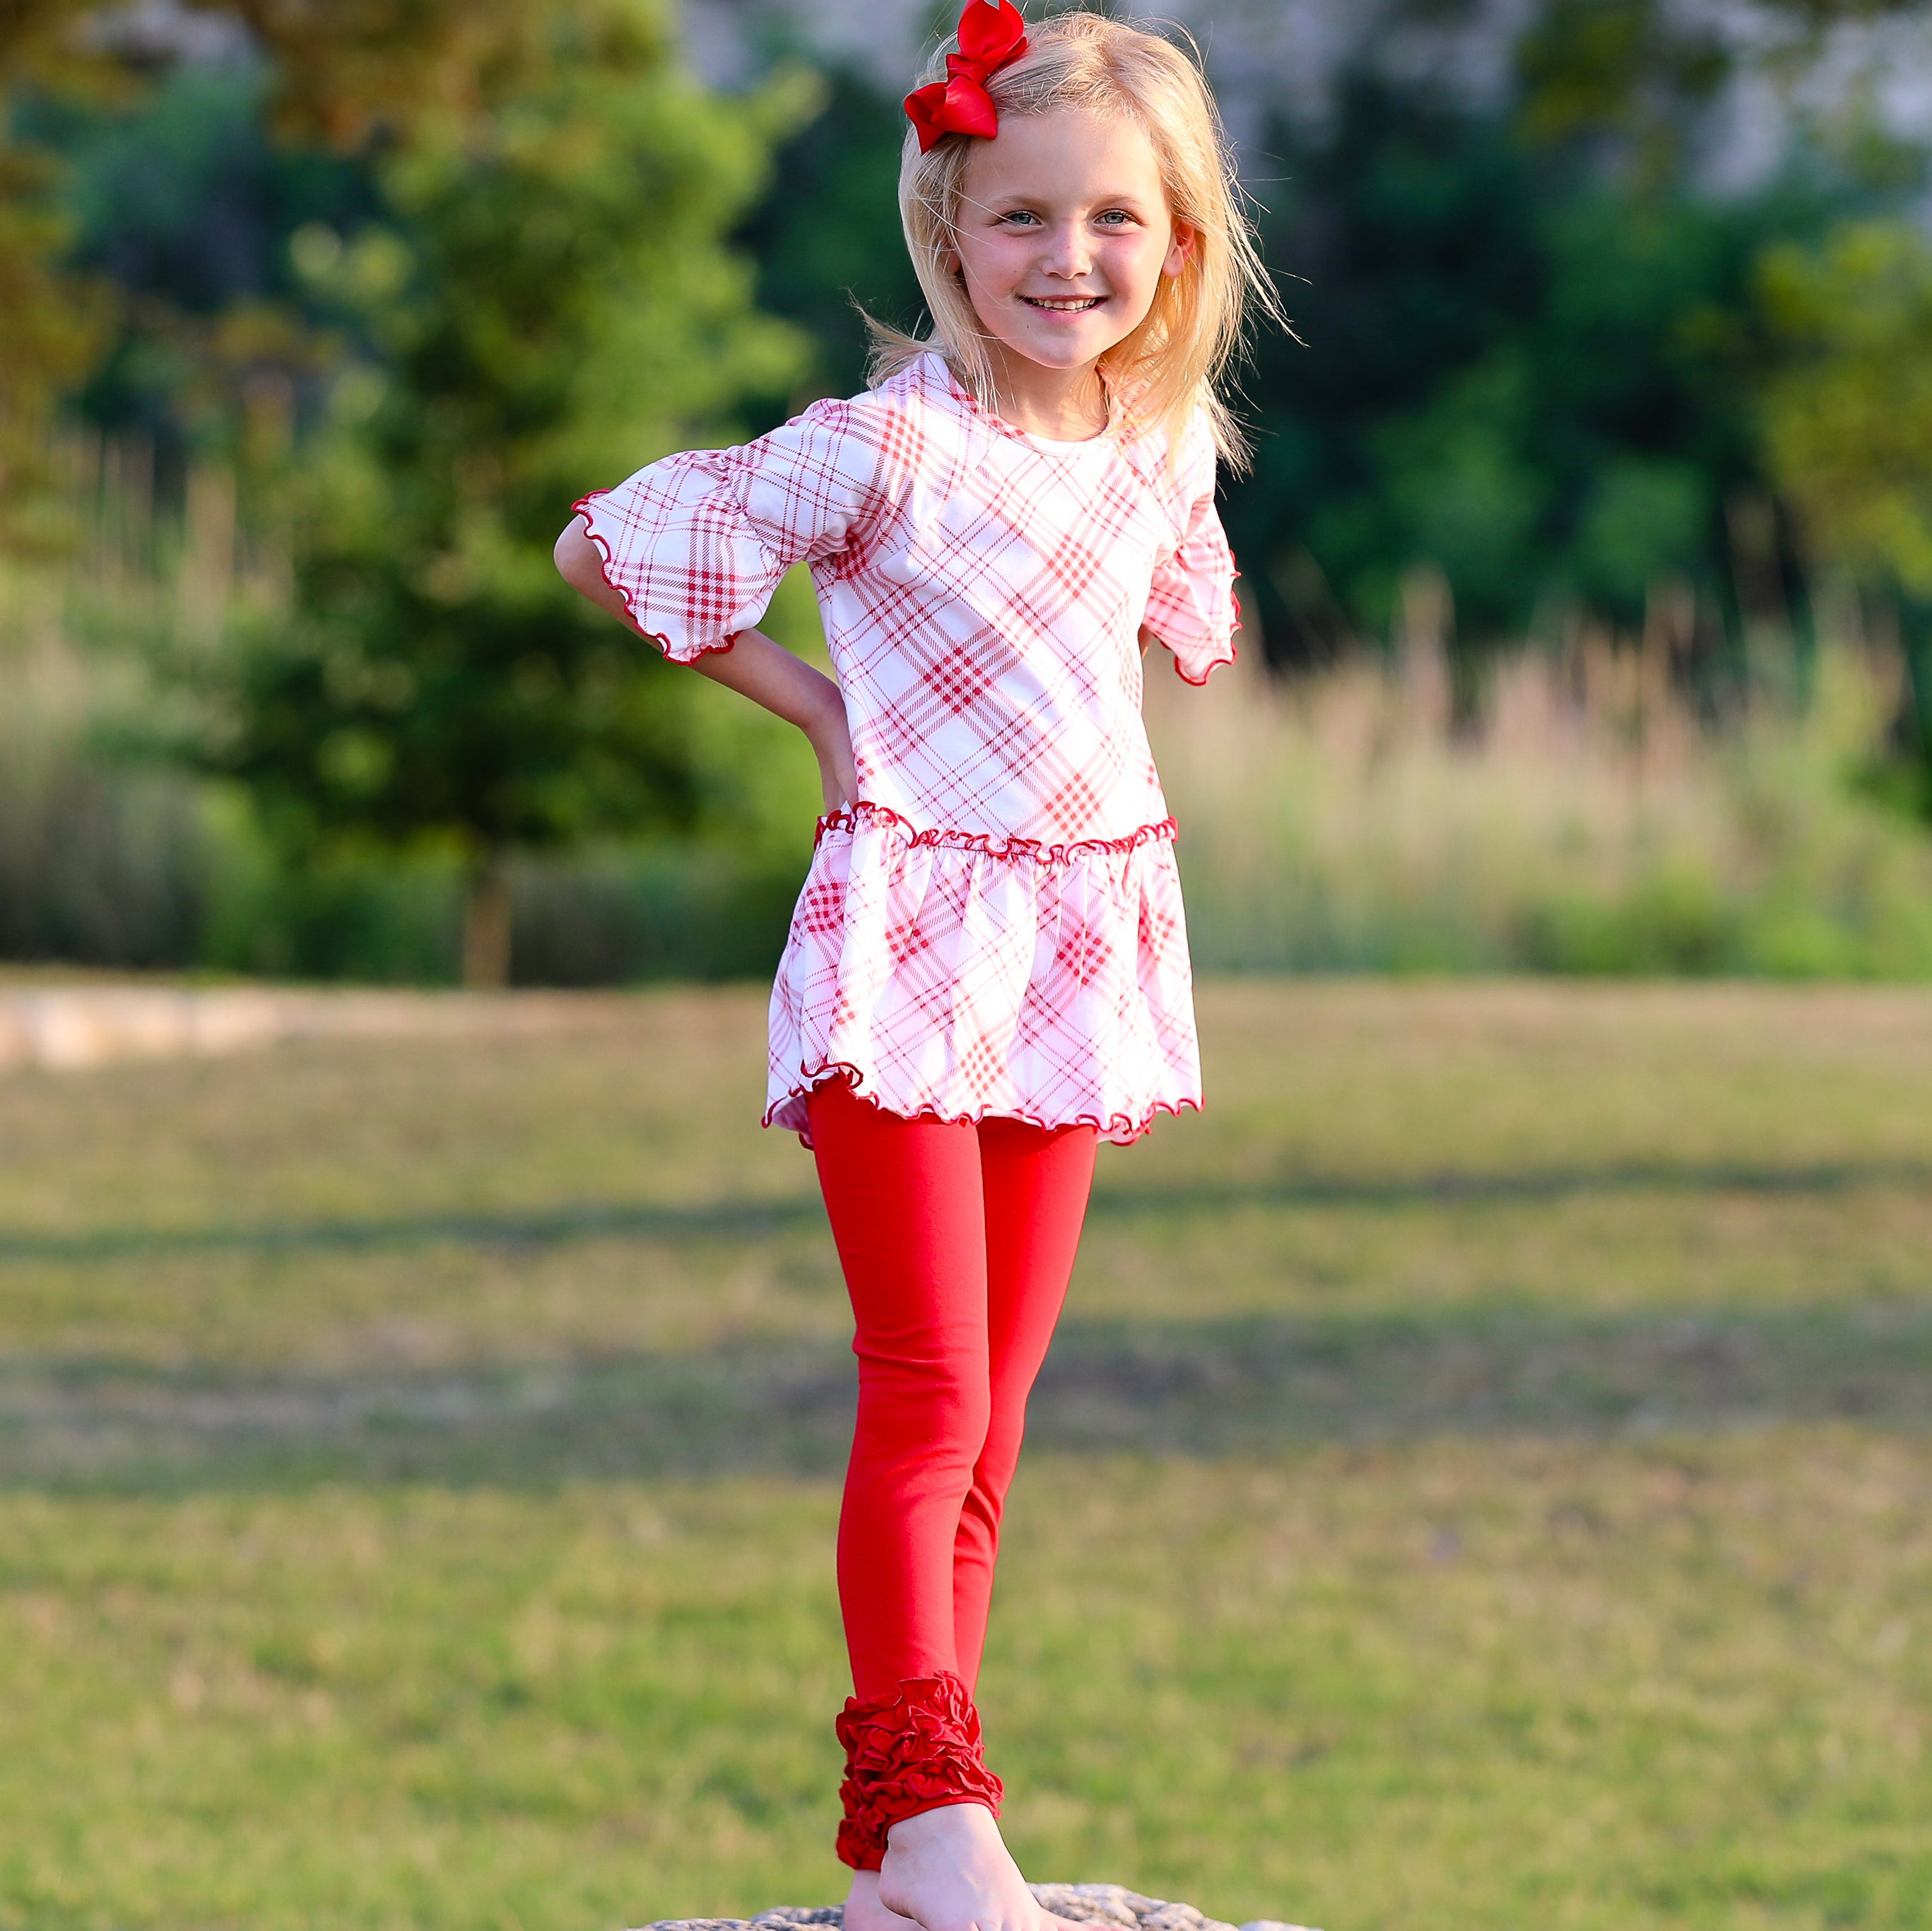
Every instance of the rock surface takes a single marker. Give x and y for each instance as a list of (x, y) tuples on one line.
[(1105, 1904)]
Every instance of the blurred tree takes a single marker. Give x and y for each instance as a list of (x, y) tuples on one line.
[(182, 203), (52, 322), (1630, 78), (1848, 428), (827, 235), (344, 75), (1402, 222), (1619, 72), (1518, 368), (1849, 419), (554, 306)]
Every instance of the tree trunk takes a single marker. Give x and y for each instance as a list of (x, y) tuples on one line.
[(486, 927)]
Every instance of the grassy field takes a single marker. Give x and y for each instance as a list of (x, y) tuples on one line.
[(1484, 1479)]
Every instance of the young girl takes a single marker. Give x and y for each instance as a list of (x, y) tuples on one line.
[(987, 970)]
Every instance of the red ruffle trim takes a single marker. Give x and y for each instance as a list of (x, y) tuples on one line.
[(582, 508), (916, 1750), (1234, 649), (1120, 1130), (941, 838), (1198, 681)]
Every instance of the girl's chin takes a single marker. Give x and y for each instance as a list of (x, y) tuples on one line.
[(1049, 322), (1059, 346)]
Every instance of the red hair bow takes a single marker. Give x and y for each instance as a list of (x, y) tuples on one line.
[(992, 35)]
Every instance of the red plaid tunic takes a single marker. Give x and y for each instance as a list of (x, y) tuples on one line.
[(996, 929)]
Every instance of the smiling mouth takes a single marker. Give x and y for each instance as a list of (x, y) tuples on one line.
[(1072, 304)]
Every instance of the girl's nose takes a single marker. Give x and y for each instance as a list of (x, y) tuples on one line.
[(1067, 253)]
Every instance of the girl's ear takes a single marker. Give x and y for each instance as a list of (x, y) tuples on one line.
[(1186, 240)]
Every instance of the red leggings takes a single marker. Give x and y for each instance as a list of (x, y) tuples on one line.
[(956, 1241)]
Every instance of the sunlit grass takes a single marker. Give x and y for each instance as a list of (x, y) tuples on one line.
[(1478, 1684), (1483, 1481)]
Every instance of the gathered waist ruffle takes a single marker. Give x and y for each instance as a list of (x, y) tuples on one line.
[(951, 975), (1036, 851)]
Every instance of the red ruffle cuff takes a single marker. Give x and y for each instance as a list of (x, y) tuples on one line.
[(916, 1750)]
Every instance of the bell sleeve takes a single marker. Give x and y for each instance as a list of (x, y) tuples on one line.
[(696, 544), (1191, 608)]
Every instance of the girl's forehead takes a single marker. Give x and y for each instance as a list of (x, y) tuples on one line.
[(1066, 153)]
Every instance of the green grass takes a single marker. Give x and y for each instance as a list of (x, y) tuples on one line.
[(1485, 1478)]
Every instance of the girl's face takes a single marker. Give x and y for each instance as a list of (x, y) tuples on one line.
[(1064, 234)]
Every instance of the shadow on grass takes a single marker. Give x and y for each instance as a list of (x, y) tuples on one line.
[(593, 1220), (1162, 1389)]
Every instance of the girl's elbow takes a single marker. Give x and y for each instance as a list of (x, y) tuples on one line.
[(574, 553)]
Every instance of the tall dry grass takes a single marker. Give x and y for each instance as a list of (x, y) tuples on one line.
[(105, 858), (1585, 815), (1587, 818)]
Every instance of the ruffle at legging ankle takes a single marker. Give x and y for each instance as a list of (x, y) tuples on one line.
[(956, 1240)]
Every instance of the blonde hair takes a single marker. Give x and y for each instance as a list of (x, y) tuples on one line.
[(1171, 363)]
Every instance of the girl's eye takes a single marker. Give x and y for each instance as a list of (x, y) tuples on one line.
[(1118, 217), (1017, 214)]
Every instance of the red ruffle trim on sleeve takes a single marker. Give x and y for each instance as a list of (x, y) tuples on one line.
[(1209, 672), (916, 1750), (582, 509)]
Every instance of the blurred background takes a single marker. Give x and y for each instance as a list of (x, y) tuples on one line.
[(1587, 553), (1484, 1476)]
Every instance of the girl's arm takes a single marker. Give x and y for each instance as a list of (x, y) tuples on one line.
[(760, 669)]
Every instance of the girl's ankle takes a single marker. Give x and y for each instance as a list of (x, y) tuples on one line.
[(941, 1820)]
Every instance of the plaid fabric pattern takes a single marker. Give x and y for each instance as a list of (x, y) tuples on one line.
[(998, 928), (960, 980)]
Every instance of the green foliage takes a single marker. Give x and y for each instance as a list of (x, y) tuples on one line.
[(95, 863), (826, 234), (1522, 369), (614, 915), (73, 85), (1624, 70), (1848, 418), (554, 308), (181, 202), (1848, 426), (110, 862), (52, 325)]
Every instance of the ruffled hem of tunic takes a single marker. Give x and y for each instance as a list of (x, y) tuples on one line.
[(951, 976), (584, 506), (789, 1109)]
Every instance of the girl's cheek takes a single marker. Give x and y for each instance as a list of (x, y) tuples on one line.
[(1000, 260)]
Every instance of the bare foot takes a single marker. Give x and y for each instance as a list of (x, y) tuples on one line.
[(951, 1869), (863, 1910)]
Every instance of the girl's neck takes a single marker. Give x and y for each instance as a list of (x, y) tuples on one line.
[(1062, 405)]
